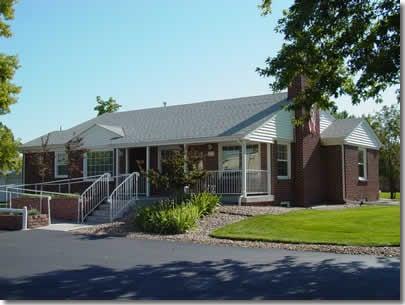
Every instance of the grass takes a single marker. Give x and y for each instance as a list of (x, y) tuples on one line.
[(364, 226), (387, 195)]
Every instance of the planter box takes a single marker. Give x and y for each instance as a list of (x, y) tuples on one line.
[(37, 221), (61, 208)]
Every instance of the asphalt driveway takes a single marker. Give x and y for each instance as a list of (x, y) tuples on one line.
[(42, 264)]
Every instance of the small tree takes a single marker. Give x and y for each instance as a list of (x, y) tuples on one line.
[(387, 125), (178, 173), (107, 106), (41, 160), (74, 151)]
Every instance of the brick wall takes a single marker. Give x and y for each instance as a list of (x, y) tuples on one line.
[(331, 174), (355, 189), (209, 162), (61, 208)]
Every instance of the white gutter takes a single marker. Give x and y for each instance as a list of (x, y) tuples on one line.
[(343, 173)]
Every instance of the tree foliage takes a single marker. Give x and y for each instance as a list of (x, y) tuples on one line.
[(342, 46), (9, 155), (74, 151), (41, 160), (178, 172), (10, 159), (340, 114), (107, 106), (387, 125)]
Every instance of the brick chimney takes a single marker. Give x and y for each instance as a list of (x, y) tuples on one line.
[(307, 169)]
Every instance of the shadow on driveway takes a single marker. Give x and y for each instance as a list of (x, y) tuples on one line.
[(225, 279)]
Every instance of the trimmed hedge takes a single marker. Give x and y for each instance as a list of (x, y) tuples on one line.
[(169, 217)]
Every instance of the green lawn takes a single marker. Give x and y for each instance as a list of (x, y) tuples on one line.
[(364, 226), (387, 195)]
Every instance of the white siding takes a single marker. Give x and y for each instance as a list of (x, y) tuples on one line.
[(363, 135), (325, 119), (97, 136), (279, 126)]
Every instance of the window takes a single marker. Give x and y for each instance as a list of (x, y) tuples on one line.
[(232, 157), (99, 162), (362, 164), (283, 161), (61, 165)]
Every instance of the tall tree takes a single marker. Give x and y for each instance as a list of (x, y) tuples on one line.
[(340, 114), (342, 46), (387, 125), (107, 106), (9, 155)]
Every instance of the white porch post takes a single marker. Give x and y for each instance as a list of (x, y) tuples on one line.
[(126, 161), (117, 165), (268, 169), (147, 170), (244, 170)]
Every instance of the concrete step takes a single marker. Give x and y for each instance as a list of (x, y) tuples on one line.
[(93, 219), (101, 212)]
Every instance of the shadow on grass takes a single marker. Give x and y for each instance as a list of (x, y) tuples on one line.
[(225, 279)]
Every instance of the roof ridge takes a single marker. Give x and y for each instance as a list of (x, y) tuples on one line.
[(200, 102)]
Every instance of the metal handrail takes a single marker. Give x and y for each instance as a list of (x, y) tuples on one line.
[(123, 194), (93, 196)]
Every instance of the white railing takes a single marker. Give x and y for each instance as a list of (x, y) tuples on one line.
[(19, 194), (93, 196), (59, 185), (123, 195), (229, 182)]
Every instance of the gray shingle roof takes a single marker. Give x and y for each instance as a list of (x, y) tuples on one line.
[(231, 117), (340, 128)]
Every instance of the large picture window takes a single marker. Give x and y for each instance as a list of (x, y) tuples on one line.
[(99, 162), (283, 161), (232, 157), (61, 164), (362, 162)]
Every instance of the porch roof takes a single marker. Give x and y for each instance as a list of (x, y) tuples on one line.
[(230, 118)]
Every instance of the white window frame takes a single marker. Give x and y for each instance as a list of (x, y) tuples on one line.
[(85, 174), (56, 171), (228, 144), (288, 160), (364, 152)]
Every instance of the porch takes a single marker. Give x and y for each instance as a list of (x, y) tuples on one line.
[(240, 169)]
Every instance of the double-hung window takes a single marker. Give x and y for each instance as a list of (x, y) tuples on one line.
[(232, 157), (99, 162), (283, 161), (362, 163), (61, 164)]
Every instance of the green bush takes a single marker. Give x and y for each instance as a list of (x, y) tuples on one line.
[(33, 212), (170, 217), (167, 217), (206, 202)]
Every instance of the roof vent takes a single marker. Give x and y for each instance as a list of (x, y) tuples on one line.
[(164, 104)]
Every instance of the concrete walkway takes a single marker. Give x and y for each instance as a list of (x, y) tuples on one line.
[(44, 264), (63, 226)]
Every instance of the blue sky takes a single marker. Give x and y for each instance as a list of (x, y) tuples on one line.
[(141, 53)]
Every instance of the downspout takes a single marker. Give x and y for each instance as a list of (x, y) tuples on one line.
[(343, 173)]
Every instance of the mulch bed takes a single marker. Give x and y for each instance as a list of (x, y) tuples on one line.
[(230, 214)]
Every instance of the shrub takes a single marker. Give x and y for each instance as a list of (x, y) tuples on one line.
[(167, 217), (206, 202), (33, 212)]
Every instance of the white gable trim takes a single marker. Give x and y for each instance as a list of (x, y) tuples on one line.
[(325, 119), (277, 127), (363, 136)]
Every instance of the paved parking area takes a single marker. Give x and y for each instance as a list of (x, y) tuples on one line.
[(41, 264)]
